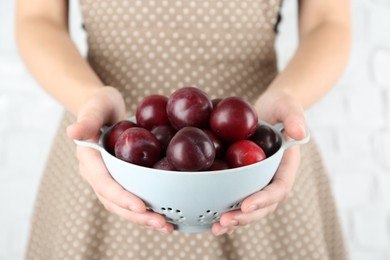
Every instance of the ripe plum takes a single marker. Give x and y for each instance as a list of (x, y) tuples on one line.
[(267, 139), (191, 150), (114, 133), (244, 152), (233, 119), (164, 134), (138, 146), (151, 112), (189, 106)]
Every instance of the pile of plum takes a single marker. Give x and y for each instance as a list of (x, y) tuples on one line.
[(188, 131)]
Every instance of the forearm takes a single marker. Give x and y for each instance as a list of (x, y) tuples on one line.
[(316, 65), (55, 62)]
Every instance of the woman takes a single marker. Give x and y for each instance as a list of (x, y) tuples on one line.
[(137, 48)]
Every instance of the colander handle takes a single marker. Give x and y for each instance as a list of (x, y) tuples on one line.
[(280, 126), (89, 144)]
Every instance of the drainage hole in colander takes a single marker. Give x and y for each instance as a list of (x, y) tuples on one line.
[(168, 209), (178, 211), (201, 216), (235, 206)]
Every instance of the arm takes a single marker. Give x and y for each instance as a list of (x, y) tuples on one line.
[(53, 59), (324, 42), (49, 53)]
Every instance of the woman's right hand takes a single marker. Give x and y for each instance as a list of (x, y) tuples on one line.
[(106, 106)]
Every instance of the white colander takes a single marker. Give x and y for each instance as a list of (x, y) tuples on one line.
[(193, 201)]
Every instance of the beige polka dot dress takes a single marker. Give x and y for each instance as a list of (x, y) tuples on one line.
[(156, 46)]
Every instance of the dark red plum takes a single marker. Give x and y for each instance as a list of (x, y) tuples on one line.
[(191, 150), (112, 136), (164, 164), (189, 106), (267, 139), (244, 152), (152, 112), (218, 165), (164, 134), (138, 146), (233, 119), (218, 144)]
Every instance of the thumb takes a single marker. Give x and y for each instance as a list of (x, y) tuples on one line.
[(295, 127), (291, 113), (278, 106), (85, 128), (89, 121), (105, 107), (293, 117)]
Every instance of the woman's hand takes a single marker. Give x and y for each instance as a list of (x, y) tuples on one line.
[(274, 107), (106, 106)]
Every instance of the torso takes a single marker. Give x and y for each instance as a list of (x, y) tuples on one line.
[(154, 47)]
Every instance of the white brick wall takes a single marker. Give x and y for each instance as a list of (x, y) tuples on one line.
[(352, 125)]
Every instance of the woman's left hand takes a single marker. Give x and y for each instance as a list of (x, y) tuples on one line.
[(273, 107)]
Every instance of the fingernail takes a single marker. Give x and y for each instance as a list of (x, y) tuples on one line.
[(222, 231), (230, 231), (303, 128), (153, 223), (252, 208), (233, 223), (163, 230), (137, 209)]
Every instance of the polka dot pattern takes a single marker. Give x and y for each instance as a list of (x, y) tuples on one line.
[(226, 48), (144, 47)]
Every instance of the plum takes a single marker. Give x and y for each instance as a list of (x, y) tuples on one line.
[(267, 139), (151, 112), (164, 134), (138, 146), (191, 150), (189, 106), (218, 165), (233, 119), (113, 134), (244, 152), (164, 164)]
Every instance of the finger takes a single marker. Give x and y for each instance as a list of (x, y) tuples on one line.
[(243, 219), (96, 174), (87, 128), (295, 127), (147, 219), (230, 221), (99, 110), (112, 191), (231, 230), (89, 121), (281, 107), (218, 230), (293, 117), (280, 186)]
